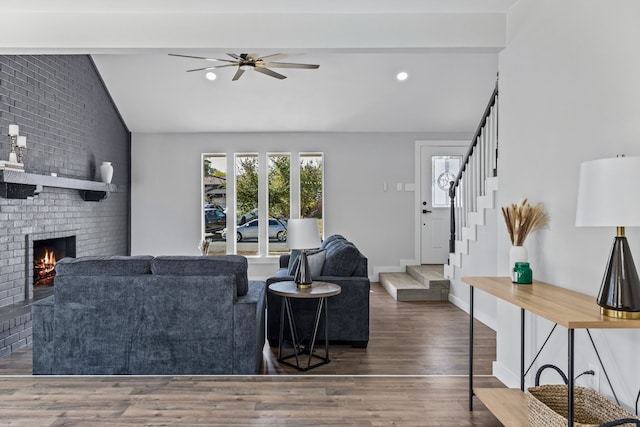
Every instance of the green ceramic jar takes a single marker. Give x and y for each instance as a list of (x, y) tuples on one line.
[(522, 274)]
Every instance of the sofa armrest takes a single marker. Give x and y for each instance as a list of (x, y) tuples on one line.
[(42, 330), (284, 260), (249, 329)]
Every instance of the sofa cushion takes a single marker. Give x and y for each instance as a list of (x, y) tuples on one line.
[(204, 266), (342, 258), (99, 266)]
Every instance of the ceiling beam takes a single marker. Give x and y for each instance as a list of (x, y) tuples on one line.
[(122, 32)]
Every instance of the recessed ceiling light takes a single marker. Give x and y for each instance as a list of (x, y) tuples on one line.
[(402, 76), (210, 75)]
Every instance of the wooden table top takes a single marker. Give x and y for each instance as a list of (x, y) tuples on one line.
[(317, 290), (568, 308)]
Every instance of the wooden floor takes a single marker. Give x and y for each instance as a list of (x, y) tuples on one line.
[(412, 374)]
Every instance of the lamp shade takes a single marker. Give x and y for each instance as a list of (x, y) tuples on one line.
[(303, 233), (609, 193)]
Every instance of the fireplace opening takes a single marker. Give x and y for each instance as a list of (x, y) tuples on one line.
[(45, 255)]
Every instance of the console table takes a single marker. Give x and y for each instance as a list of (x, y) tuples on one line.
[(567, 308)]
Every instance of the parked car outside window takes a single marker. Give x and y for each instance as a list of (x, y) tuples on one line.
[(214, 220), (249, 231)]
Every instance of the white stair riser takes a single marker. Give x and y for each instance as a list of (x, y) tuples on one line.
[(470, 233)]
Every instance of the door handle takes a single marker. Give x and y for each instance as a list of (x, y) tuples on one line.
[(425, 211)]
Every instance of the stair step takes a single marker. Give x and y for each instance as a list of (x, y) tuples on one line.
[(427, 274), (403, 287)]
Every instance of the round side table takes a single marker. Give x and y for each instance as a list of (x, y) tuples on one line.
[(320, 291)]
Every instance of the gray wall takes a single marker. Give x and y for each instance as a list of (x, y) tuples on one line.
[(166, 187), (62, 107)]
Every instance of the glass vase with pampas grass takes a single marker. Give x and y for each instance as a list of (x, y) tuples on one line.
[(522, 219)]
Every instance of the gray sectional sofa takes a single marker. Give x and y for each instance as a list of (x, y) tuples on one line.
[(337, 261), (150, 316)]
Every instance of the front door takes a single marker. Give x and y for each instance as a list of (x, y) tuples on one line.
[(439, 166)]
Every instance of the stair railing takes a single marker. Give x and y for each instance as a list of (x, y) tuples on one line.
[(479, 163)]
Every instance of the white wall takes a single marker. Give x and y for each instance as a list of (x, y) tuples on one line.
[(165, 190), (569, 92), (480, 261)]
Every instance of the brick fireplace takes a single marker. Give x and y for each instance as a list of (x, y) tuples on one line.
[(71, 124), (43, 250)]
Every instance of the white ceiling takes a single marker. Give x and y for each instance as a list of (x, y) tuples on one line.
[(448, 47)]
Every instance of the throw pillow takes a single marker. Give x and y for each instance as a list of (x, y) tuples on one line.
[(316, 262), (315, 259)]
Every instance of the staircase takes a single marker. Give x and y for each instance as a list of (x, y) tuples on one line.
[(473, 191), (419, 283), (471, 194)]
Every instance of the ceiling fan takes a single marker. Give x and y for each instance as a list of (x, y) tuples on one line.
[(251, 61)]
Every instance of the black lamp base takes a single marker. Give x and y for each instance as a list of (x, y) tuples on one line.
[(619, 295), (303, 273)]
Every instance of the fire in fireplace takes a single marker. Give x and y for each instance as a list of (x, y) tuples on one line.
[(45, 255)]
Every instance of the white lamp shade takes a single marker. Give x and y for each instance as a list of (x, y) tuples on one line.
[(609, 193), (303, 233)]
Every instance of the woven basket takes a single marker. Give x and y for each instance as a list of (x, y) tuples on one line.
[(547, 407)]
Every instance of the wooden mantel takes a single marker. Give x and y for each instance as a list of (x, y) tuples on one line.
[(20, 185)]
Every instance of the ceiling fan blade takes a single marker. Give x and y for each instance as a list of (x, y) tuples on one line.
[(234, 56), (290, 65), (238, 74), (211, 68), (273, 57), (201, 57), (269, 72), (188, 56)]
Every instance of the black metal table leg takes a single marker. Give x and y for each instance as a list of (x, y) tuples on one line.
[(471, 348), (522, 349), (316, 323), (570, 376), (281, 335), (298, 348)]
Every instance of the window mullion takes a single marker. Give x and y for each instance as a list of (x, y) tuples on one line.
[(295, 185), (263, 204)]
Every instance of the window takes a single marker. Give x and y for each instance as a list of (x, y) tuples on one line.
[(444, 169), (279, 197), (247, 203), (214, 196), (312, 187), (264, 193)]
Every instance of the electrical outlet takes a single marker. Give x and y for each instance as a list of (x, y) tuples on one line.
[(594, 380)]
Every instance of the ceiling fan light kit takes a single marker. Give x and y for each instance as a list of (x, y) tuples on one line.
[(251, 61)]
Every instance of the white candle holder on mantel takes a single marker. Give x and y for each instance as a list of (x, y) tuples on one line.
[(17, 141)]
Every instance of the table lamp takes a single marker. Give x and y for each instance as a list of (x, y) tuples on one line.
[(609, 196), (303, 234)]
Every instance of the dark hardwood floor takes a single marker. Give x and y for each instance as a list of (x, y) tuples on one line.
[(413, 373)]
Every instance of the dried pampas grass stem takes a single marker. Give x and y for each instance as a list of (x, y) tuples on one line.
[(523, 219)]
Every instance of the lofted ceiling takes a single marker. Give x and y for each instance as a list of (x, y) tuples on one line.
[(449, 48)]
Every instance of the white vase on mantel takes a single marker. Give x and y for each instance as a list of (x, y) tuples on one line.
[(106, 172), (517, 254)]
